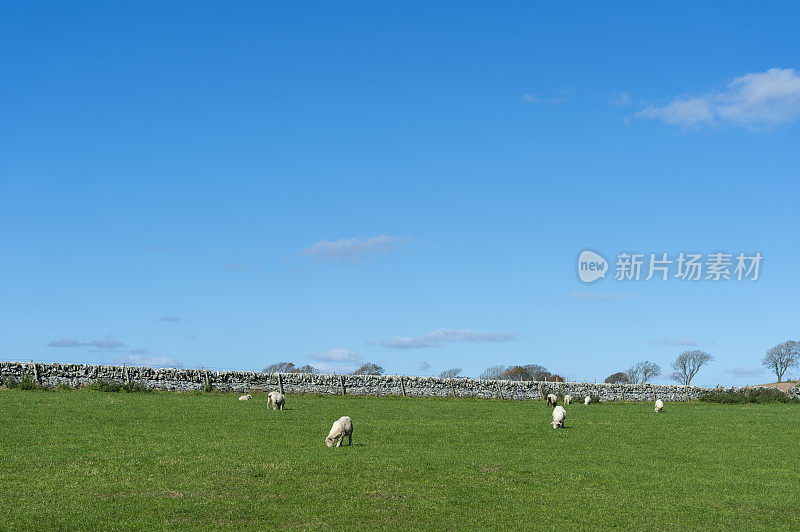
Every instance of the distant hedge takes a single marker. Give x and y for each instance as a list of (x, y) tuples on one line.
[(751, 395)]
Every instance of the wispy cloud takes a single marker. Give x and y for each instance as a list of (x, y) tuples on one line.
[(438, 337), (335, 355), (423, 365), (244, 267), (620, 99), (597, 297), (105, 344), (743, 371), (351, 250), (558, 97), (337, 359), (135, 359), (680, 342), (64, 342), (755, 101), (169, 319), (97, 344)]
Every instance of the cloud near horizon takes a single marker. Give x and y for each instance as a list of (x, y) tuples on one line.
[(336, 359), (755, 101), (352, 250), (97, 344), (743, 371), (139, 359), (438, 337), (169, 319)]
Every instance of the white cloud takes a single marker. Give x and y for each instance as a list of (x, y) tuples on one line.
[(352, 250), (169, 319), (681, 342), (756, 101), (438, 337), (743, 371), (423, 365), (134, 359), (597, 297)]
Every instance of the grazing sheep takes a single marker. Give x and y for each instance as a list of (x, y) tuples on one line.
[(659, 405), (551, 400), (559, 415), (341, 427), (245, 397), (567, 399), (587, 400), (276, 399)]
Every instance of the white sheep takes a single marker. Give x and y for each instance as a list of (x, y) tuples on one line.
[(659, 405), (341, 427), (559, 415), (551, 400), (245, 397), (567, 399), (276, 399), (587, 400)]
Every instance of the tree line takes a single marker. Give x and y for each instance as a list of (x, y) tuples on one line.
[(777, 359)]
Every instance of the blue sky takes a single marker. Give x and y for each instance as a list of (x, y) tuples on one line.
[(234, 185)]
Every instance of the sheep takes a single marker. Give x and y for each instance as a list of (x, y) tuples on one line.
[(341, 427), (552, 400), (587, 400), (559, 415), (567, 399), (245, 397), (659, 405), (276, 399)]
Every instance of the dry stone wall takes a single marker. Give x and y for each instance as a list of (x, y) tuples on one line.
[(50, 375)]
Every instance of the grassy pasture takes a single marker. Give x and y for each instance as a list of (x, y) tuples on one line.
[(85, 459)]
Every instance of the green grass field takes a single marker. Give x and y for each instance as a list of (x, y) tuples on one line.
[(86, 459)]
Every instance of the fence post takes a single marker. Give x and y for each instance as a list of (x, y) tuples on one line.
[(402, 386), (341, 384), (499, 391), (125, 374), (452, 391), (35, 372), (208, 383), (280, 383)]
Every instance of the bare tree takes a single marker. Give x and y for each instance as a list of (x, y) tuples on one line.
[(493, 373), (688, 364), (782, 357), (306, 369), (369, 369), (617, 378), (280, 367), (451, 373), (641, 372), (632, 374)]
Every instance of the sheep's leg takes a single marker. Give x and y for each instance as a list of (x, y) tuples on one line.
[(350, 439), (339, 440)]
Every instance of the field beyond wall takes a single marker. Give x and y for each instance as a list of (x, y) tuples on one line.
[(87, 459)]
